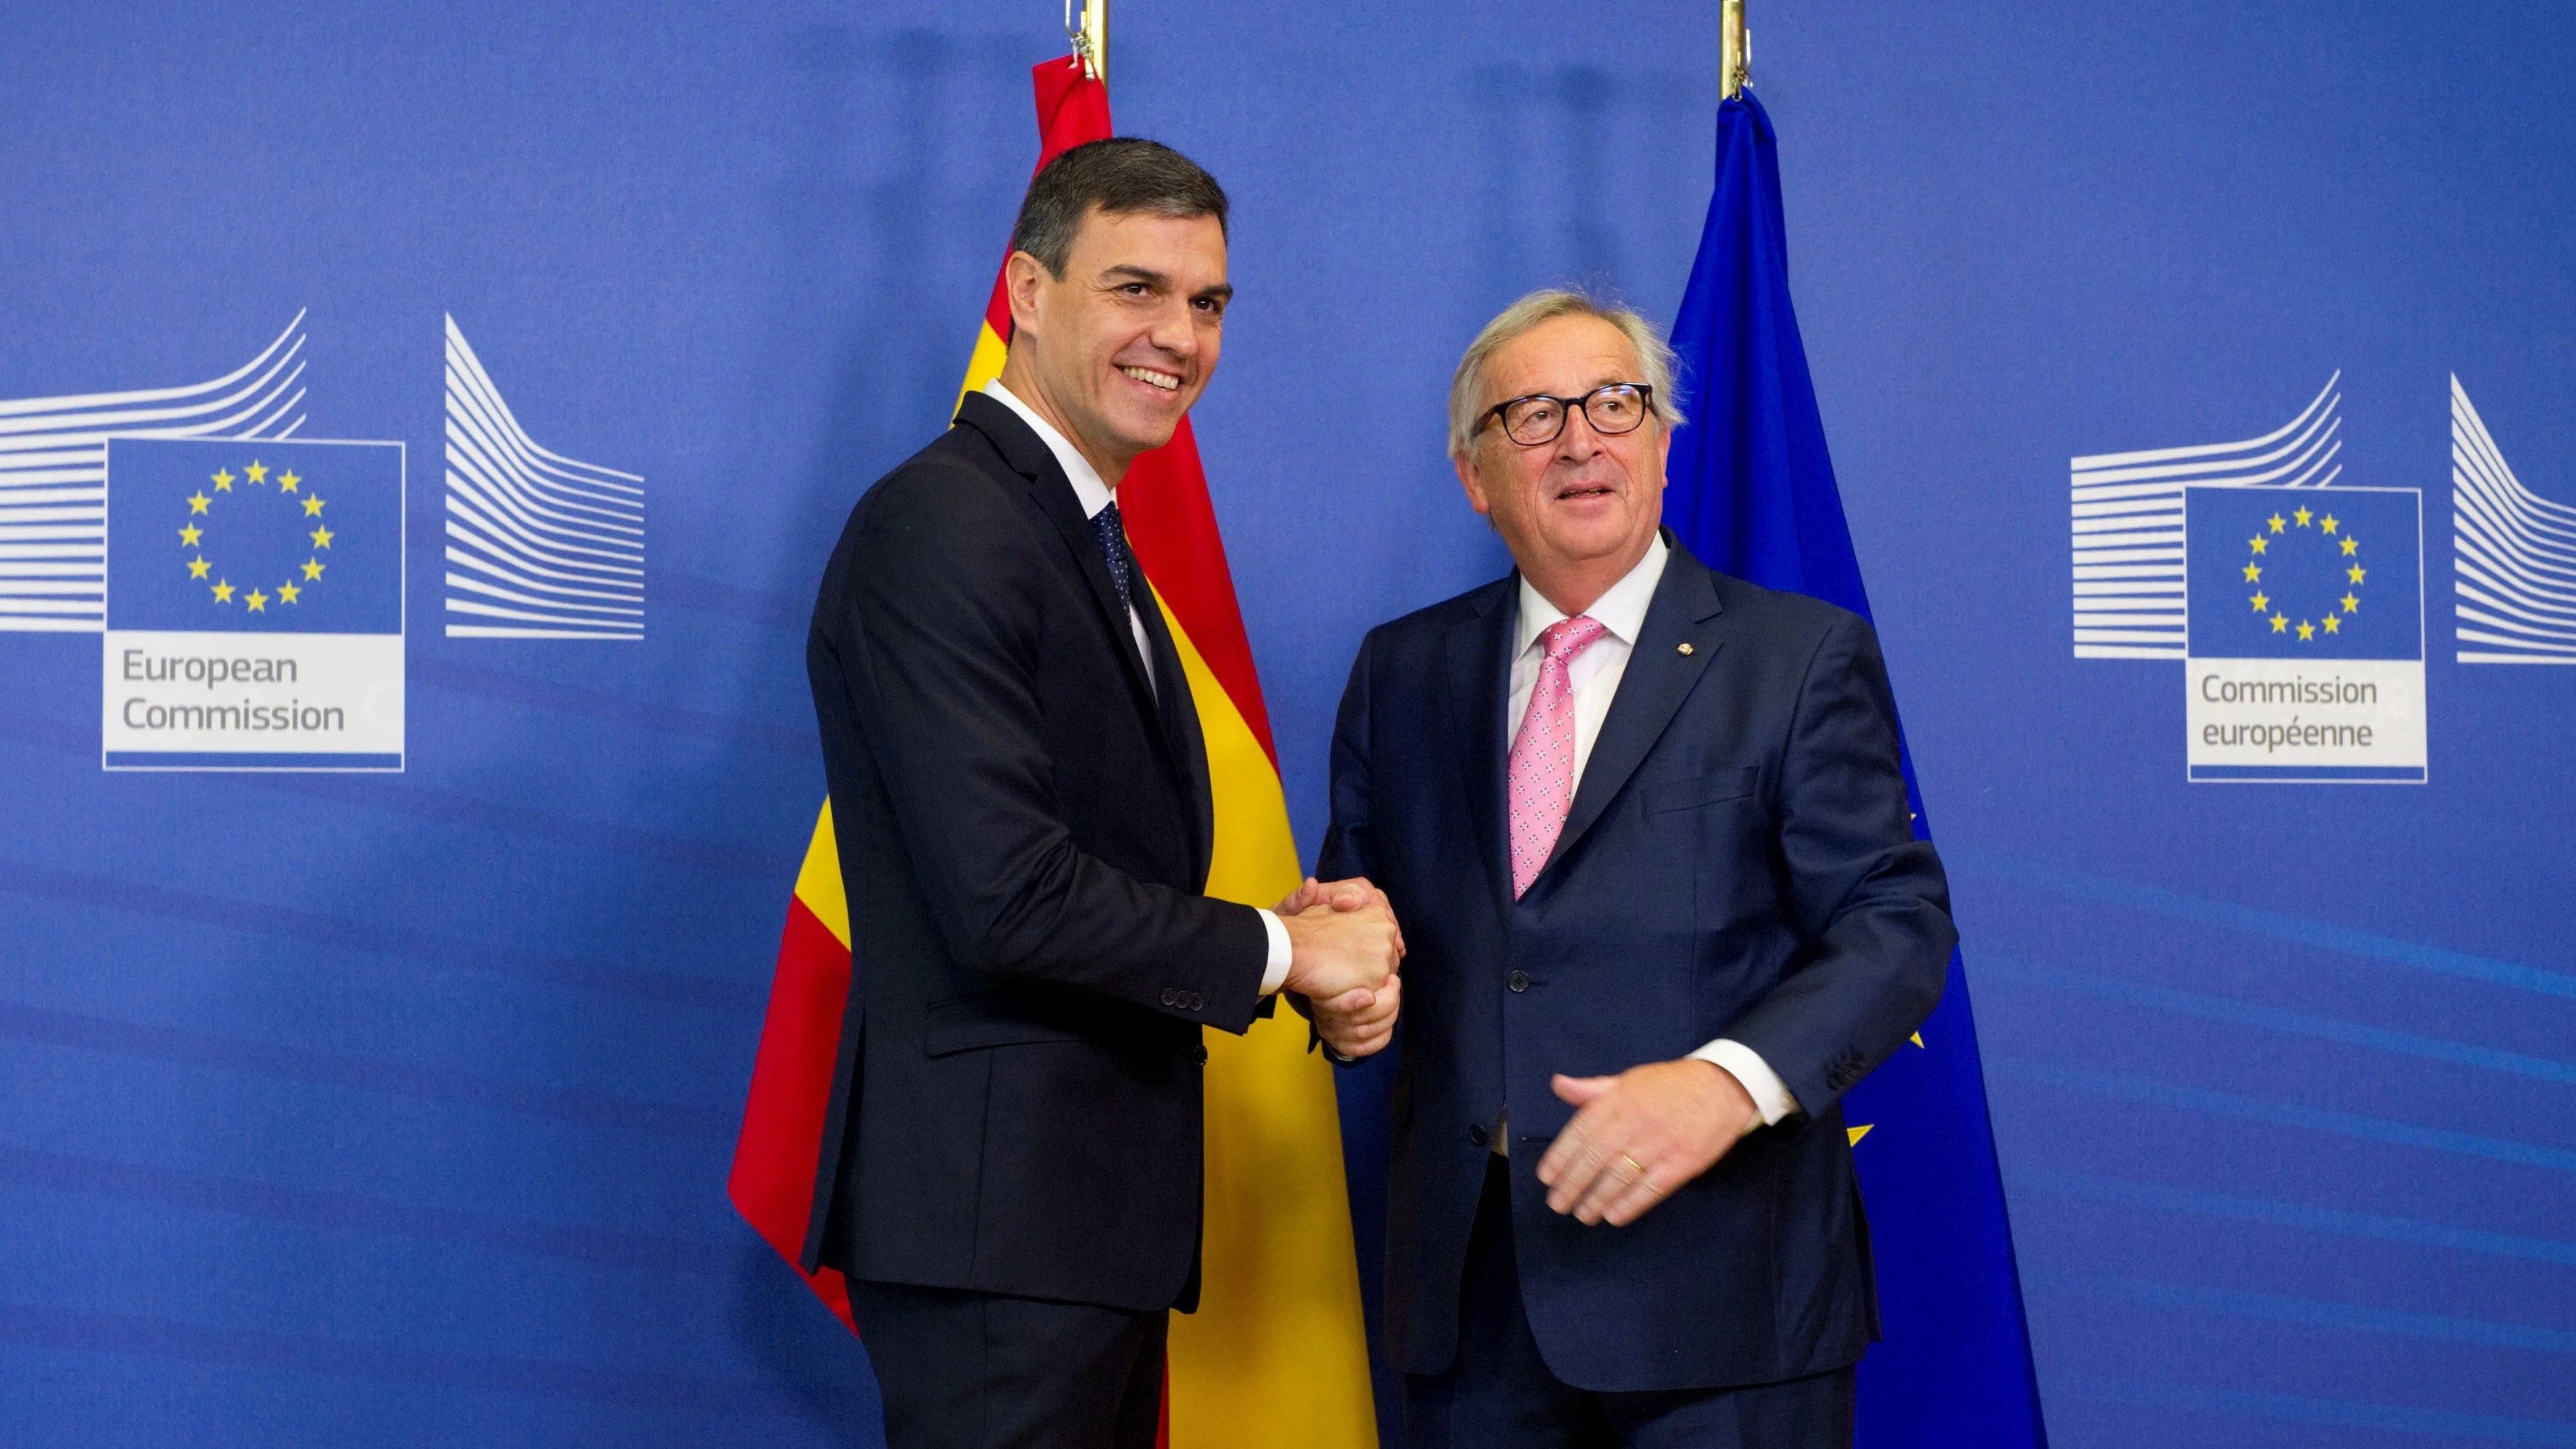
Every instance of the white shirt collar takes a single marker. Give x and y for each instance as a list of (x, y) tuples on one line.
[(1093, 494), (1621, 609)]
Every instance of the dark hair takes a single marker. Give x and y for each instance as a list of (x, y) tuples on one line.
[(1122, 175)]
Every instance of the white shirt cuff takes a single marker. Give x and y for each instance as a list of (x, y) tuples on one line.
[(1277, 974), (1763, 1085)]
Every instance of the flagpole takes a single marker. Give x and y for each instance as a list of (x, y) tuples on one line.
[(1090, 36), (1734, 49)]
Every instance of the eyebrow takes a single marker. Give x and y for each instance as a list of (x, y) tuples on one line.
[(1607, 380), (1128, 272)]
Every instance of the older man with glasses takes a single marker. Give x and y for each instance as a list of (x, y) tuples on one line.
[(1663, 905)]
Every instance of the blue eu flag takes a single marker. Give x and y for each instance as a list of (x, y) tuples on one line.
[(2304, 573), (254, 536), (1752, 492)]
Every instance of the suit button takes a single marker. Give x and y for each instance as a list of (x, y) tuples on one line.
[(1171, 996), (1519, 981), (1202, 1056), (1478, 1135)]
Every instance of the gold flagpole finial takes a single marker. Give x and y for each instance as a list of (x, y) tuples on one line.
[(1734, 50), (1090, 36)]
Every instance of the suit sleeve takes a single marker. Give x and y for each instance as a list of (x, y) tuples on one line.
[(1349, 842), (939, 630), (1870, 899)]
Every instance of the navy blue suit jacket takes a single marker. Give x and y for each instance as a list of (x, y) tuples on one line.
[(1739, 861), (1024, 829)]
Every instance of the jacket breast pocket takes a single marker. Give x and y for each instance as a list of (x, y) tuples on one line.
[(1715, 787)]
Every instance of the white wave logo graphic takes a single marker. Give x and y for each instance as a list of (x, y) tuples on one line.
[(2514, 553), (2129, 601), (539, 546), (53, 474)]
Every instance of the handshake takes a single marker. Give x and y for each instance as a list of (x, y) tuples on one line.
[(1346, 949)]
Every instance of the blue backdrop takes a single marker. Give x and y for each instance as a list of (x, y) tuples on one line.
[(394, 1108)]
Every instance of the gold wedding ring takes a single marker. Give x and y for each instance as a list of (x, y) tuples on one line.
[(1634, 1165)]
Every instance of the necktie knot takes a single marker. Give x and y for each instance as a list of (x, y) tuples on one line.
[(1561, 641)]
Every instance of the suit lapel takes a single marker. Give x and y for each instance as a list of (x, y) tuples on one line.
[(1479, 674), (1171, 716), (1178, 713), (1027, 455), (1675, 646)]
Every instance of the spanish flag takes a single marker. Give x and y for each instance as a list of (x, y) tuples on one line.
[(1274, 1356)]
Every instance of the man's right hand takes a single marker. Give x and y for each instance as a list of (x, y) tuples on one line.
[(1337, 945)]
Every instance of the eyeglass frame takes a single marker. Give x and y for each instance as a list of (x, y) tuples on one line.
[(1572, 405)]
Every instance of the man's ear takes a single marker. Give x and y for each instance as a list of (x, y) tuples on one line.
[(1022, 277), (1472, 479)]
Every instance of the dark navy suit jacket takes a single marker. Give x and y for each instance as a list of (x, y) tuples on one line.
[(1024, 828), (1739, 861)]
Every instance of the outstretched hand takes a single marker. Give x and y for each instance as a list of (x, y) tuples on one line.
[(1640, 1135)]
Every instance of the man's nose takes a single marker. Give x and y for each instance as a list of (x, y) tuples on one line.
[(1579, 440), (1175, 331)]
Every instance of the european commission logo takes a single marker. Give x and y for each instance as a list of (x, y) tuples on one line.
[(2295, 602), (2305, 657), (254, 605), (250, 583)]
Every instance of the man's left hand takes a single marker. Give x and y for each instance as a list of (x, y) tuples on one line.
[(1640, 1135), (1360, 1023)]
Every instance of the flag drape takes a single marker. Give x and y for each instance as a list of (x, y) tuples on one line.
[(1275, 1355), (1751, 491)]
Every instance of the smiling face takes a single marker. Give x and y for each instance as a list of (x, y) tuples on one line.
[(1579, 512), (1115, 351)]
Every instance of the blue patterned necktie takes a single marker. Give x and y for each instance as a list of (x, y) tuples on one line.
[(1113, 543)]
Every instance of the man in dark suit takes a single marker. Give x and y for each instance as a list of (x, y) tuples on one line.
[(1011, 1167), (1646, 831)]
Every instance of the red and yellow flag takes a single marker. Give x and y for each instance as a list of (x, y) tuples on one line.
[(1274, 1356)]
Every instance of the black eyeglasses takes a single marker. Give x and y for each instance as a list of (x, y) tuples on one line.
[(1612, 409)]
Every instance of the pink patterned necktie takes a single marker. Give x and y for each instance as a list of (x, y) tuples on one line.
[(1542, 767)]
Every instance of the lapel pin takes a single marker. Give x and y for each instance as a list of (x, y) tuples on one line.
[(1685, 648)]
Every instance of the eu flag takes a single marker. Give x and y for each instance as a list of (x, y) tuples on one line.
[(257, 536), (2310, 573), (1751, 491)]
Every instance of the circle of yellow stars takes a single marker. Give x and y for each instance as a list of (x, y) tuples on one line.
[(192, 536), (2348, 548)]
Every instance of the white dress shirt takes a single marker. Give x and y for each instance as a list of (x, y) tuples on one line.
[(1095, 495), (1595, 675)]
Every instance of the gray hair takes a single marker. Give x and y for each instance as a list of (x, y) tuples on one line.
[(1467, 386)]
